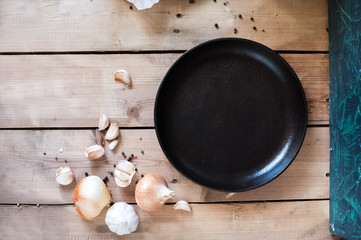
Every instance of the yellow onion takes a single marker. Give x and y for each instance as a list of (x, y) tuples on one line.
[(90, 197), (152, 192)]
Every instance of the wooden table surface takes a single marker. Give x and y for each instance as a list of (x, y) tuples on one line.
[(57, 60)]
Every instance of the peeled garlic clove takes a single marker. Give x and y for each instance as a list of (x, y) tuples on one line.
[(121, 218), (94, 152), (123, 173), (90, 197), (103, 122), (112, 132), (113, 144), (123, 77), (64, 175), (228, 195), (182, 205), (152, 192)]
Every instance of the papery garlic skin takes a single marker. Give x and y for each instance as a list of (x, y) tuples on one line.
[(90, 196), (123, 173), (113, 132), (103, 122), (64, 175), (152, 192), (121, 218), (182, 205), (94, 152)]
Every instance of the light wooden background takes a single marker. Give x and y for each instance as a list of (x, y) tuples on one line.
[(56, 64)]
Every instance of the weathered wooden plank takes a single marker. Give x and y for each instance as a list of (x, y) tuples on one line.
[(97, 26), (30, 158), (72, 90), (286, 220)]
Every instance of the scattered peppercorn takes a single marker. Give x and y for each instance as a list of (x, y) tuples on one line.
[(327, 29), (263, 30), (56, 158), (111, 173), (114, 165), (191, 1), (66, 161), (136, 182), (86, 174), (240, 16), (252, 19), (131, 7), (140, 139), (105, 180), (254, 28), (176, 30), (216, 25), (327, 174), (235, 31), (125, 156), (142, 152), (132, 156), (142, 176), (44, 153), (179, 15), (136, 169), (215, 1), (327, 100), (129, 159), (174, 181)]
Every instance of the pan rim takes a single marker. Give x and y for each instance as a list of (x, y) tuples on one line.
[(276, 55)]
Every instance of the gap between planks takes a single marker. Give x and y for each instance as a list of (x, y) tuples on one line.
[(71, 90), (32, 157), (281, 221)]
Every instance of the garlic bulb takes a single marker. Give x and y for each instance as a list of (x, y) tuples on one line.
[(94, 152), (113, 144), (182, 205), (123, 77), (152, 192), (64, 175), (112, 132), (103, 122), (90, 197), (121, 218), (123, 173)]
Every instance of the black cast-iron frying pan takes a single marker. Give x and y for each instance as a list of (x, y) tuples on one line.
[(230, 114)]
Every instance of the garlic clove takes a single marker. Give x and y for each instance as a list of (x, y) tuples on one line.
[(90, 197), (64, 176), (152, 192), (112, 132), (123, 77), (94, 152), (228, 195), (182, 205), (121, 183), (123, 173), (126, 166), (103, 122), (113, 144), (121, 218)]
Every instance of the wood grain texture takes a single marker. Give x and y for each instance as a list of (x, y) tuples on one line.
[(287, 220), (30, 160), (99, 26), (72, 90)]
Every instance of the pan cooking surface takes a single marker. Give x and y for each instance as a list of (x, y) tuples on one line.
[(230, 114)]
